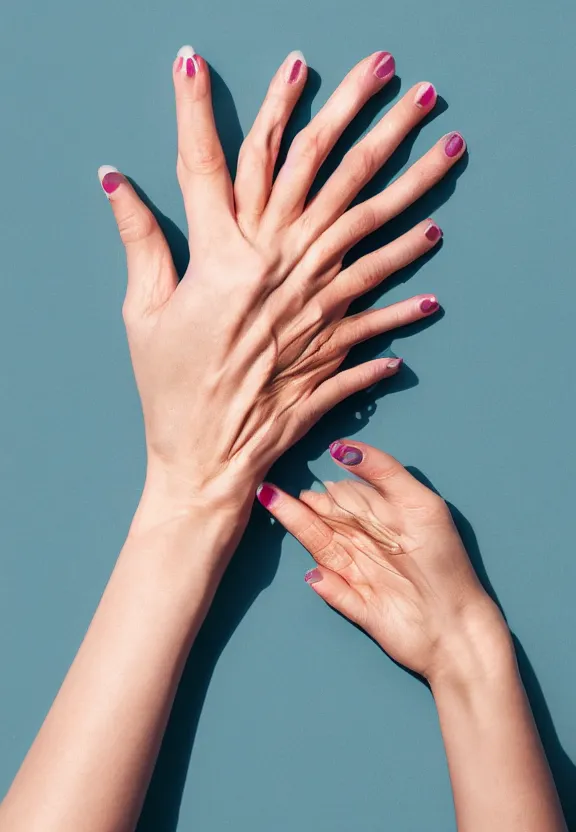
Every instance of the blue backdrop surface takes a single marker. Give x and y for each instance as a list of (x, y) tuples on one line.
[(289, 718)]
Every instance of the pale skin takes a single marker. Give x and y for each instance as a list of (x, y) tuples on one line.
[(233, 364), (390, 559)]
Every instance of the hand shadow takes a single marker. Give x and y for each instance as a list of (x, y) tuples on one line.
[(255, 563), (562, 767)]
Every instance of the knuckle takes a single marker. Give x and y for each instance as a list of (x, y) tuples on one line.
[(306, 146), (203, 158), (359, 166), (362, 221), (135, 225)]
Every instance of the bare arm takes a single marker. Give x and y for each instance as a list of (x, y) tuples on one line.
[(91, 762), (390, 558), (499, 773)]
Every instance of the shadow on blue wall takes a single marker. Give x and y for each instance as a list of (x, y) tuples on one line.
[(256, 561)]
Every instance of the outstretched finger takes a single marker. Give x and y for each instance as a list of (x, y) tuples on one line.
[(379, 469), (202, 171), (318, 538), (259, 150), (151, 273)]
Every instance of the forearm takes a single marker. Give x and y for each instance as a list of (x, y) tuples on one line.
[(500, 776), (89, 766)]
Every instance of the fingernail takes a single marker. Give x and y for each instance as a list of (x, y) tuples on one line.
[(266, 494), (454, 144), (386, 65), (186, 61), (110, 178), (297, 61), (395, 364), (429, 305), (425, 95), (346, 454), (433, 232), (313, 576)]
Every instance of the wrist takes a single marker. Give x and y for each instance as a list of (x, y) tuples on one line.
[(477, 649)]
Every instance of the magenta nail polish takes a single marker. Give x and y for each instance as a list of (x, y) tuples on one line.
[(454, 145), (429, 305), (346, 454), (386, 65), (190, 67), (111, 181), (425, 95), (179, 62), (295, 71), (433, 232), (266, 494), (313, 576)]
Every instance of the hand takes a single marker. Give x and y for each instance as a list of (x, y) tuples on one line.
[(391, 560), (239, 359)]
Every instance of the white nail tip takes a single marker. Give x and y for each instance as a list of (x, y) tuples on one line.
[(186, 52), (298, 56), (104, 169)]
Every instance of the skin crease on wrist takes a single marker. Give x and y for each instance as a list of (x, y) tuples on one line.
[(234, 363)]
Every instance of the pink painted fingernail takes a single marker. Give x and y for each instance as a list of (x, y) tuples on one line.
[(346, 454), (395, 363), (313, 576), (433, 232), (429, 305), (454, 144), (425, 95), (296, 61), (266, 494), (187, 61), (385, 66), (110, 179)]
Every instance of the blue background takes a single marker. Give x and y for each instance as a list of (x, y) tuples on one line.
[(295, 719)]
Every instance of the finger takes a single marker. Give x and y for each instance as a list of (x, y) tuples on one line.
[(152, 276), (363, 219), (369, 271), (337, 592), (306, 526), (358, 328), (259, 150), (202, 171), (312, 145), (345, 383), (363, 160), (379, 469)]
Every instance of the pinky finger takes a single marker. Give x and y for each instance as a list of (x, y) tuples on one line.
[(337, 592), (344, 384)]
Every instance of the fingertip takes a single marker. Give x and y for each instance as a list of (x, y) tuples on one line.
[(266, 495), (433, 232), (454, 145), (313, 576), (429, 305), (425, 96), (110, 178), (296, 67), (346, 454)]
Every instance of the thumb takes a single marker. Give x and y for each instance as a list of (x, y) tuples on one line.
[(151, 273)]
